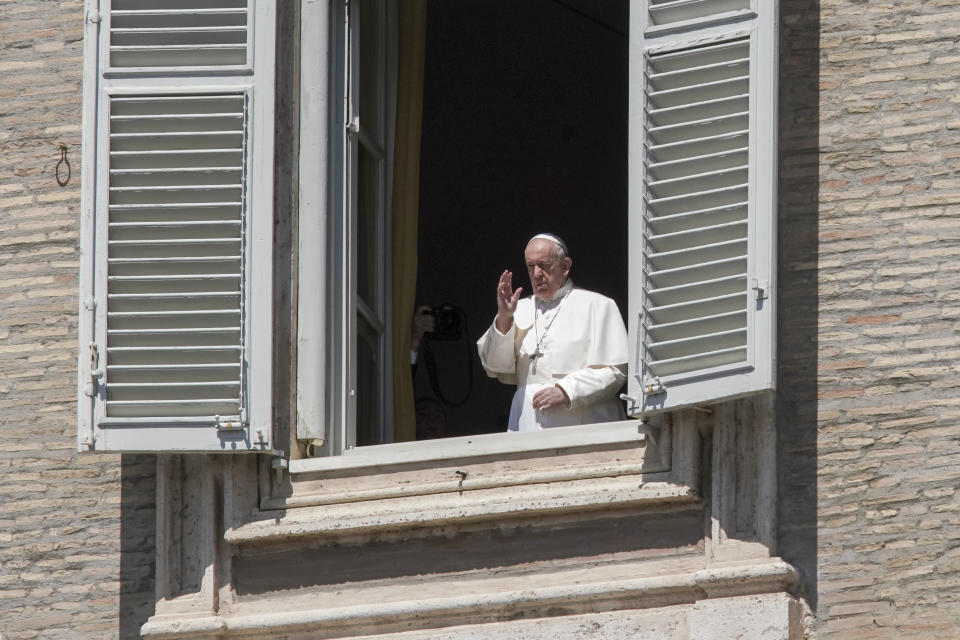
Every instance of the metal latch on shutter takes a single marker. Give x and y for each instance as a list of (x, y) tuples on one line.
[(93, 350), (761, 288), (90, 388)]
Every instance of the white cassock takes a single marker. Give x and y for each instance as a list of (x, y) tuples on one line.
[(584, 350)]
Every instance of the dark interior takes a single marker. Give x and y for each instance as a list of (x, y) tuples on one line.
[(524, 131)]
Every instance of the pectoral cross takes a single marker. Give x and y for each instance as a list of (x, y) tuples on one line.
[(533, 356)]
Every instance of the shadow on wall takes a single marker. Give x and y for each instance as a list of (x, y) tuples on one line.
[(798, 300), (138, 519)]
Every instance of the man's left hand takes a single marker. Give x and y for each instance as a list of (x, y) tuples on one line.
[(549, 398)]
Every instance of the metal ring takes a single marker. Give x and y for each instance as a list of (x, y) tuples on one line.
[(63, 161)]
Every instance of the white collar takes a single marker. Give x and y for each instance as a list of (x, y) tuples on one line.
[(561, 293)]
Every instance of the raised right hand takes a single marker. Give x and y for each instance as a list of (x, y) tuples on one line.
[(506, 301)]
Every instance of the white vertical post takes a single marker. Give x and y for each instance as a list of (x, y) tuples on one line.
[(312, 226)]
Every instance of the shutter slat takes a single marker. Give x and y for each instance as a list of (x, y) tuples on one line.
[(697, 326), (698, 84), (698, 237), (688, 311), (170, 241), (689, 150), (183, 339), (121, 332), (166, 277), (699, 183), (700, 272), (696, 345), (188, 13), (686, 96), (698, 291), (703, 159), (690, 256), (119, 315), (186, 296), (699, 130), (712, 198), (166, 225), (699, 165), (700, 363), (153, 368), (664, 12), (695, 219)]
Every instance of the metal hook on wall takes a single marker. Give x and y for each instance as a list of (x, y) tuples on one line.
[(62, 181)]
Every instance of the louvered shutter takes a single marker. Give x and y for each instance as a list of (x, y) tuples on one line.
[(702, 200), (176, 237)]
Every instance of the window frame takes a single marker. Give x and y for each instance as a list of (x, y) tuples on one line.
[(315, 69)]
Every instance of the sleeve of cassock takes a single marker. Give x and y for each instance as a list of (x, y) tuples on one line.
[(497, 354), (606, 359), (593, 384)]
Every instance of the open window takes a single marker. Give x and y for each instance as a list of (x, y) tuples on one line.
[(669, 206), (698, 227)]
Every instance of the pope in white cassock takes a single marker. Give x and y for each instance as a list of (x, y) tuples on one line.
[(565, 348)]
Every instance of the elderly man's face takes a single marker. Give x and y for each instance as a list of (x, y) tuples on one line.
[(547, 273)]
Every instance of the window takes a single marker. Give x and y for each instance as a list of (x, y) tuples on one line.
[(177, 219)]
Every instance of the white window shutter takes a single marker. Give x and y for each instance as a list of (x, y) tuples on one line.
[(176, 232), (702, 201)]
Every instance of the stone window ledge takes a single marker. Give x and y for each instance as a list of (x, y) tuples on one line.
[(462, 507)]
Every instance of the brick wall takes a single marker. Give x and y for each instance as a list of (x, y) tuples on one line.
[(889, 242), (63, 517)]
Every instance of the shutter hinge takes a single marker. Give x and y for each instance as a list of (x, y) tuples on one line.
[(354, 125), (762, 288), (229, 423), (653, 387), (94, 17), (649, 388)]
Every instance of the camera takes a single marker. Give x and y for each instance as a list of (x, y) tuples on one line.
[(447, 322)]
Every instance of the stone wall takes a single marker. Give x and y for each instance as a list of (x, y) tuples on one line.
[(76, 532), (888, 403)]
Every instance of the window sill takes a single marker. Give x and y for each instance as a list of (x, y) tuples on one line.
[(472, 479), (460, 508), (450, 449)]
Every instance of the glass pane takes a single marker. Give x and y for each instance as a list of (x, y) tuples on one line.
[(368, 249), (370, 82), (368, 384)]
